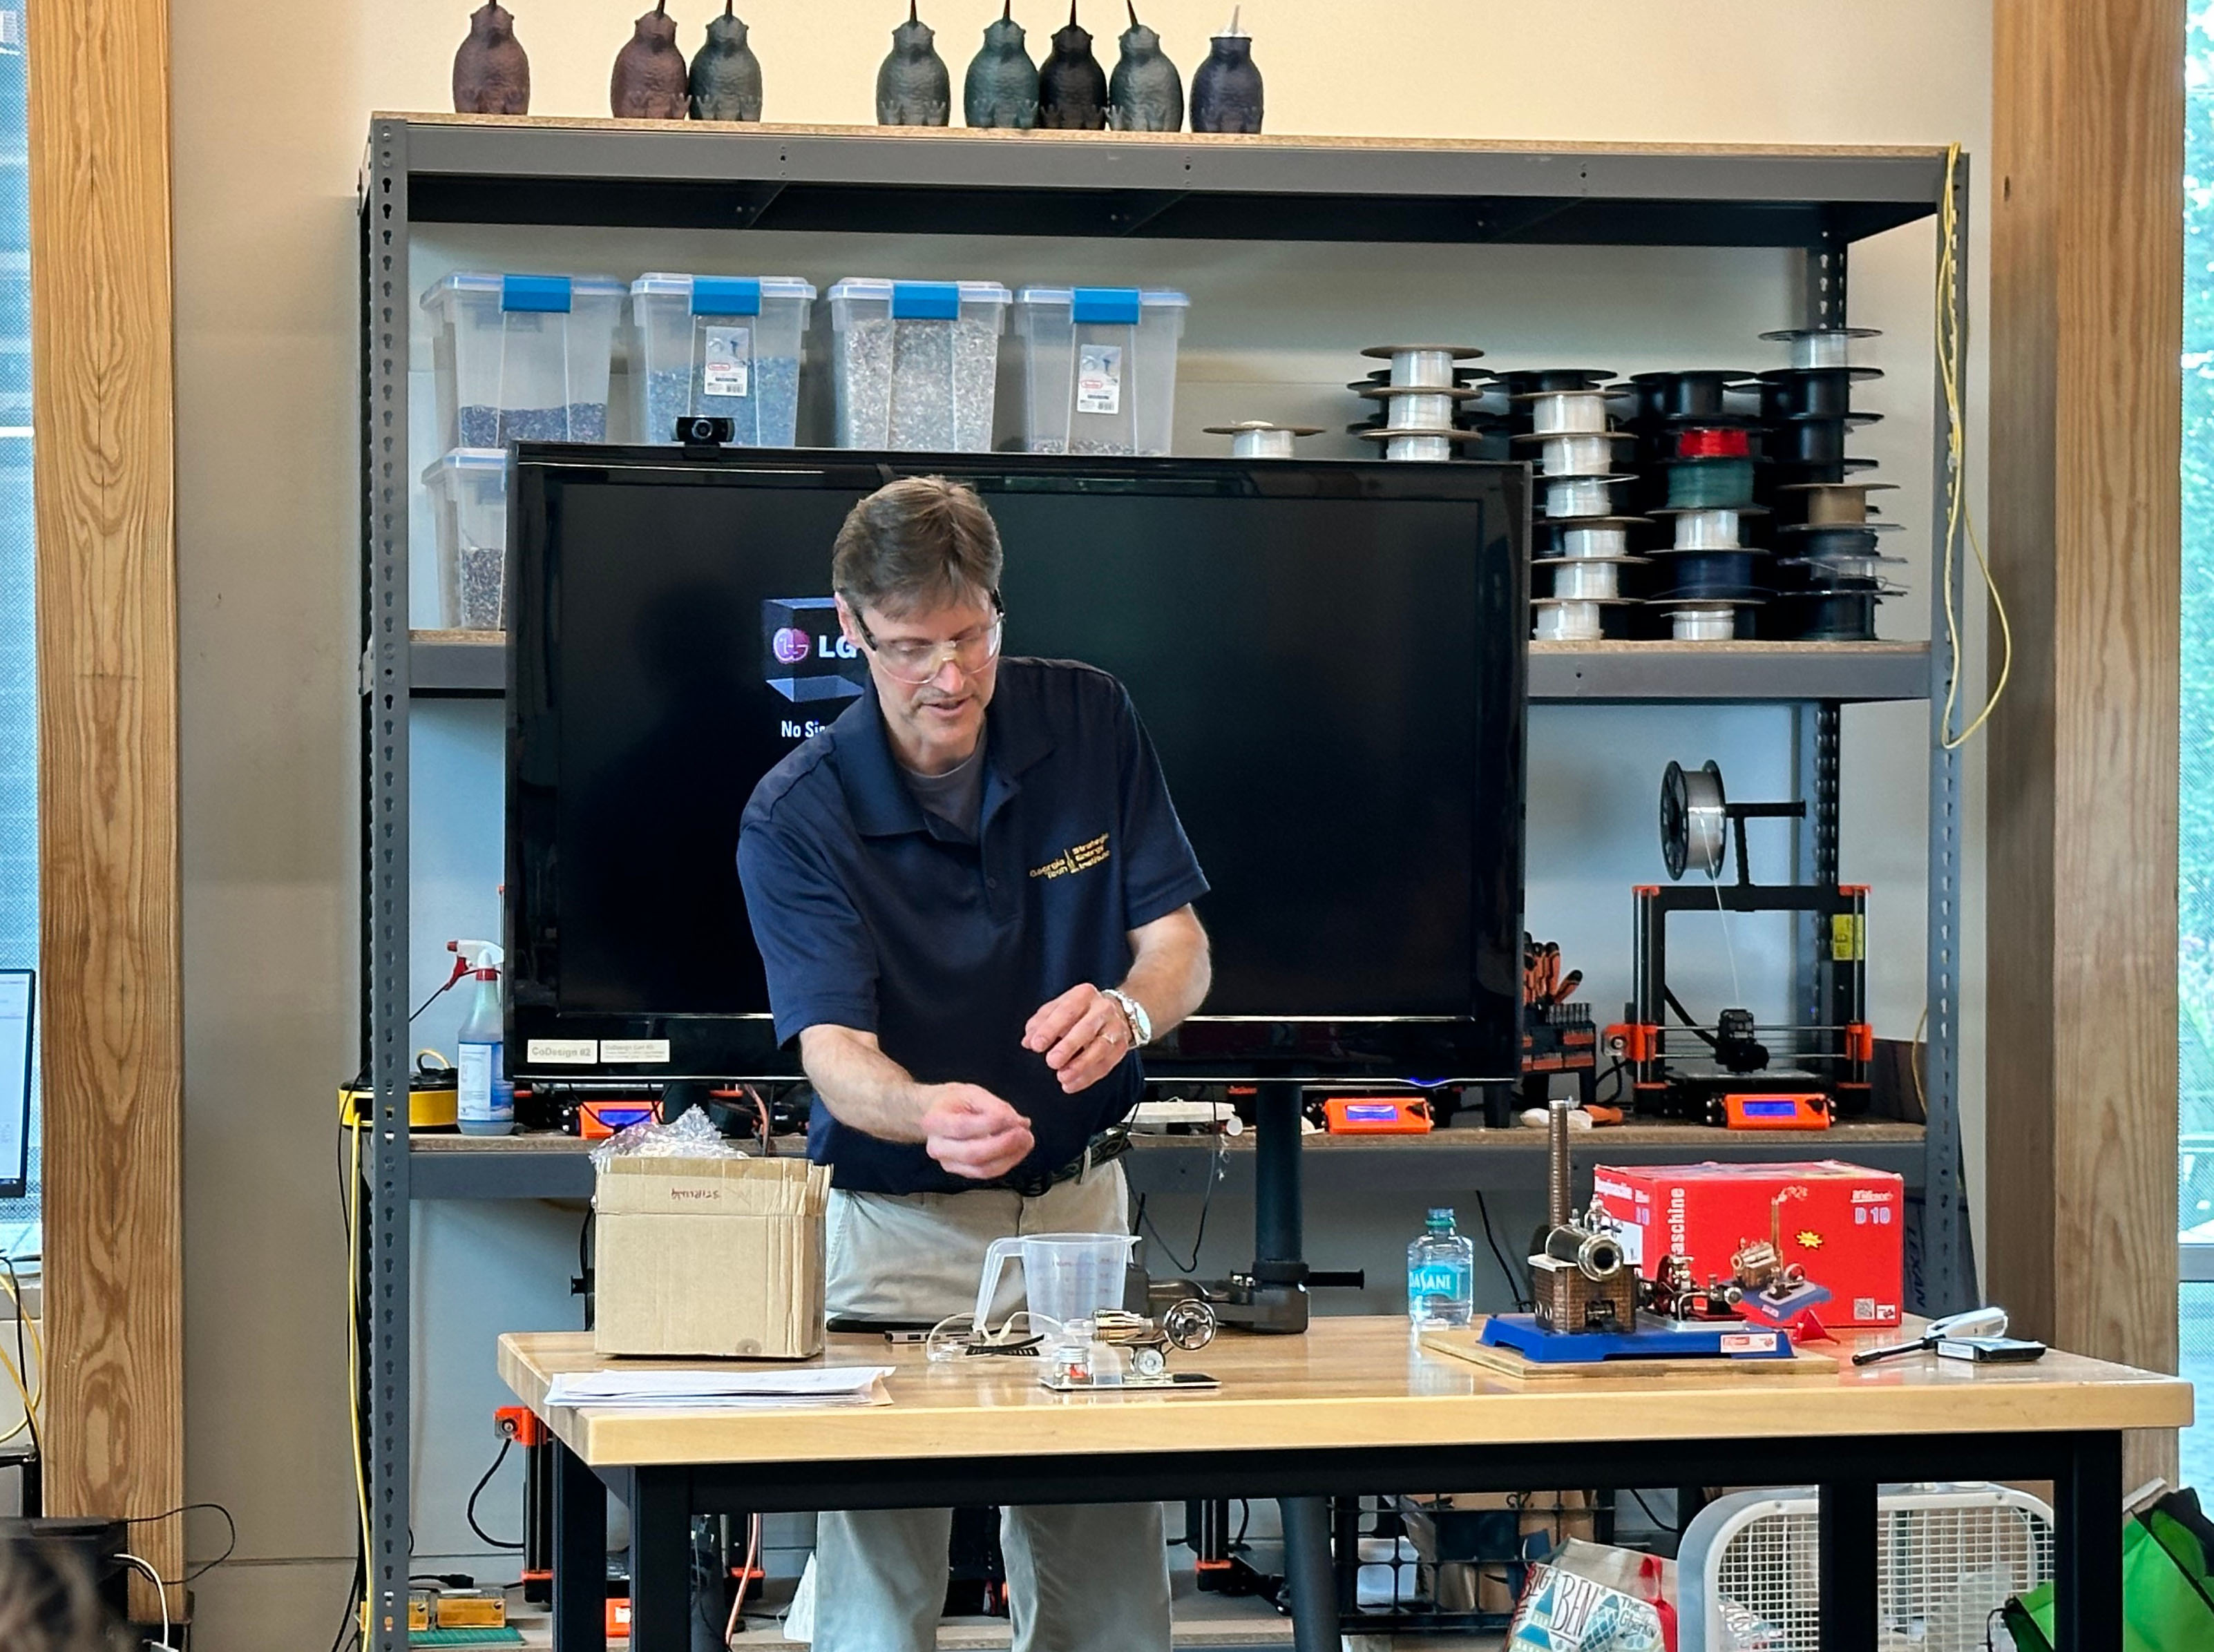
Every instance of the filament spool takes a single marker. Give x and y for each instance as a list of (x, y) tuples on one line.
[(1587, 455), (1581, 496), (1694, 820), (1422, 366), (1533, 380), (1812, 392), (1679, 395), (1709, 530), (1571, 619), (1258, 438), (1565, 412), (1712, 622), (1426, 449), (1578, 540), (1817, 440), (1712, 576), (1835, 504), (1713, 441), (1711, 484), (1586, 579), (1820, 346), (1419, 410)]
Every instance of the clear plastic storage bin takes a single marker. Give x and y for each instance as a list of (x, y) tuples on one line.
[(1099, 368), (524, 358), (918, 363), (469, 492), (719, 346)]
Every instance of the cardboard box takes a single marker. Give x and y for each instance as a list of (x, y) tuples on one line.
[(715, 1257), (1845, 1225)]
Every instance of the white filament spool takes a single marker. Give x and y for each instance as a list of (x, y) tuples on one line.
[(1707, 530), (1586, 580), (1427, 367), (1419, 412), (1568, 622), (1568, 413), (1272, 443), (1821, 346), (1419, 447), (1594, 542), (1577, 455), (1714, 625), (1579, 497)]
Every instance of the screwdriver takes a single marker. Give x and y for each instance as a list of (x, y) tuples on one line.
[(1975, 1322)]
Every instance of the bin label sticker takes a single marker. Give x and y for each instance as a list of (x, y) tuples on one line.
[(725, 359), (1099, 379), (571, 1052), (638, 1049)]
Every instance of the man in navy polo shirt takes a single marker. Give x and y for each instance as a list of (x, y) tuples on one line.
[(973, 898)]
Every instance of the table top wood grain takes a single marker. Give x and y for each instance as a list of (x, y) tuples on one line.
[(1349, 1382)]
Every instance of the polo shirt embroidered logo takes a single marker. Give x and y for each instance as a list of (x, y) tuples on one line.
[(1082, 858)]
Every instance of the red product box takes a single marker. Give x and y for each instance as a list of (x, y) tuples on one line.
[(1846, 1225)]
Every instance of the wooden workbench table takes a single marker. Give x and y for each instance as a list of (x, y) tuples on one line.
[(1348, 1408)]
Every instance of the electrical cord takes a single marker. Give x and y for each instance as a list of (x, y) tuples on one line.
[(1696, 1031), (1207, 1200), (1638, 1497), (13, 1285), (483, 1536), (194, 1574), (1958, 516), (1514, 1290), (160, 1589)]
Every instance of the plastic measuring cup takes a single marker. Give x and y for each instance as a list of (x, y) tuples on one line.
[(1065, 1276)]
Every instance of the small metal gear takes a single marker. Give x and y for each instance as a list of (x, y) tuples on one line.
[(1189, 1324)]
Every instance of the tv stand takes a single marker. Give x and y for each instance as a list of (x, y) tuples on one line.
[(1269, 1298)]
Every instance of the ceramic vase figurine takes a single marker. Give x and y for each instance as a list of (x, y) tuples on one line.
[(1146, 95), (1002, 85), (492, 76), (913, 88), (1226, 93), (726, 77), (1072, 86), (650, 82)]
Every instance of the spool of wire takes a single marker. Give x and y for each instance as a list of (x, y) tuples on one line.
[(1422, 366), (1713, 441), (1714, 622), (1578, 540), (1581, 495), (1711, 484), (1709, 530), (1558, 620), (1811, 392), (1257, 438), (1420, 410), (1565, 412), (1587, 578), (1680, 395), (1835, 504), (1425, 448), (1531, 381), (1712, 576), (1590, 456), (1820, 346)]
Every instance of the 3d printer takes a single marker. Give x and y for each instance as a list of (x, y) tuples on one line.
[(1739, 1072)]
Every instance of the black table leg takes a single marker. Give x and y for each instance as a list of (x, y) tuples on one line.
[(660, 1561), (2087, 1545), (580, 1554), (1308, 1578), (1846, 1548)]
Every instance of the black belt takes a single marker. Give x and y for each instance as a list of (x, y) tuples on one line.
[(1109, 1145)]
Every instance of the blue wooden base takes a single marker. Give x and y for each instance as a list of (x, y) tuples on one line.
[(1655, 1338)]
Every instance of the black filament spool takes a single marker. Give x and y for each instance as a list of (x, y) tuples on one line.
[(1711, 576), (1812, 441), (1536, 380), (1691, 395), (1832, 614), (1812, 392)]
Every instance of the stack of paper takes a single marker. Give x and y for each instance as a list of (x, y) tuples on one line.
[(710, 1389)]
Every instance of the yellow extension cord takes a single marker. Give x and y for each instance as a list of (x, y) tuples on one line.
[(1958, 516)]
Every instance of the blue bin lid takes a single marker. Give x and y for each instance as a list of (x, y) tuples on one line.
[(1106, 304), (722, 295), (478, 464), (527, 292), (923, 300)]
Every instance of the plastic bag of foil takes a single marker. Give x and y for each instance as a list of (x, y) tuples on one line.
[(1588, 1597), (689, 1136)]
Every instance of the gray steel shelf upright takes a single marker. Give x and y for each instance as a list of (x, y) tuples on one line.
[(449, 169)]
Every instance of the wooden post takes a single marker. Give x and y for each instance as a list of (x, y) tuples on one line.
[(2086, 215), (101, 359)]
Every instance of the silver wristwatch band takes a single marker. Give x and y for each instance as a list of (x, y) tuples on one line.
[(1141, 1024)]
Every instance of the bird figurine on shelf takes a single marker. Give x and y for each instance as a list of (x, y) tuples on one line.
[(1146, 95), (649, 81), (726, 76), (492, 76), (1002, 85), (913, 87), (1073, 87), (1226, 93)]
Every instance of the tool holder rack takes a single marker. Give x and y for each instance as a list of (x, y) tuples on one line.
[(451, 169)]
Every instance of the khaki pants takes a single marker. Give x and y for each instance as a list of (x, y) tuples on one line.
[(1080, 1578)]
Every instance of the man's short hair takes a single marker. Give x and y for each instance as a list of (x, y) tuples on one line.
[(916, 544)]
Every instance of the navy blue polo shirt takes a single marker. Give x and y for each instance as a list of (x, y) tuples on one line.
[(872, 914)]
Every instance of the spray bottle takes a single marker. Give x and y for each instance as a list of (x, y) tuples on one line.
[(488, 1098)]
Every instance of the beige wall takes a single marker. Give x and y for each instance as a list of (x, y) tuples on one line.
[(266, 162)]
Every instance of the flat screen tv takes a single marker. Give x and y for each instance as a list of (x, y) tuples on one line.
[(1329, 657)]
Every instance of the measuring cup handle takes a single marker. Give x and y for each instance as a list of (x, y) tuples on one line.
[(995, 1264)]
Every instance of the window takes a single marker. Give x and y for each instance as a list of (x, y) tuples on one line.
[(2195, 884), (19, 750)]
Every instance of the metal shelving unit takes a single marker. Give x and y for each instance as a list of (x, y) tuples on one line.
[(453, 169)]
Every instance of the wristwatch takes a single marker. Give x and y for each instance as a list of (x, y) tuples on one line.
[(1141, 1024)]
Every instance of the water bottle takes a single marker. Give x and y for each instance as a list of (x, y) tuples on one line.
[(485, 1106), (1440, 1276)]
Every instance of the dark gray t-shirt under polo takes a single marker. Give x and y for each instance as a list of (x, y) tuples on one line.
[(957, 796)]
